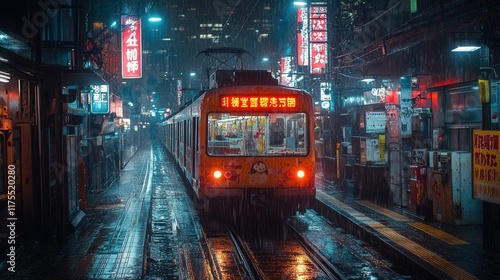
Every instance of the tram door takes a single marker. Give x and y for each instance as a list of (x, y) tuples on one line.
[(196, 144)]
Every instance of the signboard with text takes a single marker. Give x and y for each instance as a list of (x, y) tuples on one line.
[(99, 99), (375, 121), (318, 38), (131, 47), (287, 78), (486, 166), (303, 37), (260, 102)]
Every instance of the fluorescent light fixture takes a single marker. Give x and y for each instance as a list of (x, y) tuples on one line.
[(154, 19), (368, 80), (299, 3), (4, 77), (465, 48)]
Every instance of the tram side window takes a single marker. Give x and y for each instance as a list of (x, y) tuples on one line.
[(257, 135), (277, 132)]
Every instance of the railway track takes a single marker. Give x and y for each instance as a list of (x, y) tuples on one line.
[(249, 246), (237, 258)]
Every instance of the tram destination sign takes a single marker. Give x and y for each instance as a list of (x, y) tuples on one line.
[(258, 102), (99, 99)]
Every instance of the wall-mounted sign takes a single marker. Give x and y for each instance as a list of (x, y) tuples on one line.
[(179, 92), (303, 37), (325, 91), (287, 78), (131, 48), (325, 105), (258, 102), (318, 39), (486, 166), (375, 121), (99, 99)]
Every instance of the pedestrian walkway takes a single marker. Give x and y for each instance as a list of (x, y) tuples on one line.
[(109, 244), (429, 250)]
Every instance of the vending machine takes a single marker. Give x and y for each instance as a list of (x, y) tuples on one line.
[(418, 182), (451, 186), (417, 194)]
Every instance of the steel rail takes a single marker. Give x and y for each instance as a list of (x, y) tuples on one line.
[(316, 257)]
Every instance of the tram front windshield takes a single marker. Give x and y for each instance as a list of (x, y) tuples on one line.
[(257, 135)]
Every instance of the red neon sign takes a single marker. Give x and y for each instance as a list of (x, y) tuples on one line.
[(258, 102), (131, 48), (318, 41)]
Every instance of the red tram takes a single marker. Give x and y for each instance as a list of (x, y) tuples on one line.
[(246, 142)]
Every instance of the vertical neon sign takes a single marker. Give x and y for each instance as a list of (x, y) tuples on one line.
[(303, 37), (131, 47), (318, 39)]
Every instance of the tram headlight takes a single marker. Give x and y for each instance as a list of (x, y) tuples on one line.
[(217, 174), (301, 173)]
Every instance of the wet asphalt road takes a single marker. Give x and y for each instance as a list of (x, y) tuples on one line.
[(109, 243)]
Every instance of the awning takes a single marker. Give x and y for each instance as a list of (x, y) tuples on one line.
[(82, 78)]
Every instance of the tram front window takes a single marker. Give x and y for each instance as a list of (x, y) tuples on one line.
[(257, 135)]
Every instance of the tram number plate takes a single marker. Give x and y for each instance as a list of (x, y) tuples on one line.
[(258, 199)]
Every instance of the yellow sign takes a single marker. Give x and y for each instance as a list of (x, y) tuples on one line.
[(484, 91), (486, 166)]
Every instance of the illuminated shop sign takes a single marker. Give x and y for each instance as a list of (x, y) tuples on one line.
[(131, 48), (303, 37), (99, 99), (486, 166), (318, 38), (258, 102), (287, 78)]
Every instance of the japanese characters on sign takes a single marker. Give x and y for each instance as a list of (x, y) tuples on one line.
[(131, 48), (486, 166), (318, 46), (99, 99), (303, 36), (258, 102), (287, 78), (375, 121), (179, 92)]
